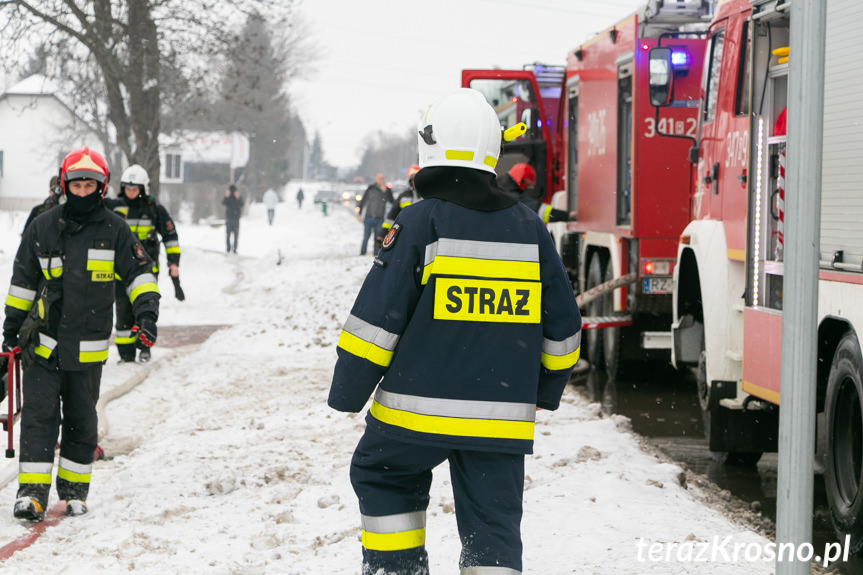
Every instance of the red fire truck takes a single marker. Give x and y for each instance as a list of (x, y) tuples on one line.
[(729, 273), (594, 138)]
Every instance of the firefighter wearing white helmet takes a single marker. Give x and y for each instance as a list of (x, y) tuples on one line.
[(149, 221), (464, 326)]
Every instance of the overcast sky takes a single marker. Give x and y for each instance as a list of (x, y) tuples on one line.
[(381, 63)]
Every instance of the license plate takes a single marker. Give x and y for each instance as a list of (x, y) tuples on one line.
[(656, 285)]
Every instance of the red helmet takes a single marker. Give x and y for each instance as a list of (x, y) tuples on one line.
[(524, 175), (413, 170), (85, 164)]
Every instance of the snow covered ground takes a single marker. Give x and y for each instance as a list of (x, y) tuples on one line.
[(225, 459)]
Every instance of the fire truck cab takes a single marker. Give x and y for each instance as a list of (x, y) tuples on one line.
[(602, 151), (728, 277)]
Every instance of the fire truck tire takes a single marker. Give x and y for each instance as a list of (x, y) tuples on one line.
[(843, 473), (593, 337), (611, 335)]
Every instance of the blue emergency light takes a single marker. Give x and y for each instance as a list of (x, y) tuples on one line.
[(680, 59)]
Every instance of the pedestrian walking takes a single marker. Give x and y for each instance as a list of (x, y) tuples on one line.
[(58, 312), (465, 325), (271, 199), (371, 209), (300, 197), (233, 203), (148, 220)]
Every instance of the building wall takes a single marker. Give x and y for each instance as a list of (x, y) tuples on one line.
[(36, 132)]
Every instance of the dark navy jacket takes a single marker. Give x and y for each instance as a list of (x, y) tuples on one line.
[(465, 324)]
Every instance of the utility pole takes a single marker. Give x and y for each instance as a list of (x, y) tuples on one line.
[(800, 285)]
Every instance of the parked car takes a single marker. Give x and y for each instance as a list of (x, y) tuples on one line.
[(329, 196)]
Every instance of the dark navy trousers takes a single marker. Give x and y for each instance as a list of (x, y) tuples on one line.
[(392, 479)]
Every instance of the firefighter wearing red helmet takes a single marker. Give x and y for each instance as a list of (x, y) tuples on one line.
[(519, 183), (465, 324), (407, 197), (59, 312)]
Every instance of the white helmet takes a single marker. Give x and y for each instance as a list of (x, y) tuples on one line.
[(462, 130), (135, 175)]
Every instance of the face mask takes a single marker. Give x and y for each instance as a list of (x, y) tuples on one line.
[(83, 205)]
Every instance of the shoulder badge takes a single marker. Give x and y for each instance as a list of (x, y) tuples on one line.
[(390, 240)]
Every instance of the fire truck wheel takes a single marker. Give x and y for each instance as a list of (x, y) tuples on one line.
[(611, 335), (595, 308), (844, 422)]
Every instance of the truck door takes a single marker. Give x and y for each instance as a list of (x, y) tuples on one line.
[(515, 96), (706, 201)]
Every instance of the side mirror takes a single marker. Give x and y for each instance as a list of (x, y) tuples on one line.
[(661, 77)]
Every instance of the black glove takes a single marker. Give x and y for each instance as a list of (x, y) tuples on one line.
[(144, 331), (178, 291)]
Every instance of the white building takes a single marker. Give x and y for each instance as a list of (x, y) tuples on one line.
[(37, 130)]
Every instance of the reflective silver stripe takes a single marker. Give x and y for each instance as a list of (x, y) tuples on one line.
[(172, 244), (90, 346), (47, 341), (139, 281), (371, 333), (567, 346), (22, 293), (482, 250), (395, 523), (388, 223), (123, 333), (140, 222), (35, 467), (461, 408), (80, 468), (100, 255), (488, 571), (56, 263)]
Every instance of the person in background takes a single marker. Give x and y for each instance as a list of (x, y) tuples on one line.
[(58, 312), (519, 183), (271, 199), (54, 191), (148, 220), (464, 327), (300, 197), (233, 203), (373, 206), (405, 198)]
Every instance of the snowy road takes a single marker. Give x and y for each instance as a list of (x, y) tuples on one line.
[(226, 459)]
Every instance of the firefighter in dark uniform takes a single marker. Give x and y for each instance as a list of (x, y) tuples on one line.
[(404, 199), (519, 183), (51, 201), (58, 312), (148, 220), (465, 325)]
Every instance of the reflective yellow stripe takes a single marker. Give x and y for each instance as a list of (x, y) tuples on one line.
[(446, 265), (405, 204), (43, 478), (453, 425), (172, 250), (42, 351), (149, 287), (558, 362), (18, 303), (54, 273), (394, 541), (73, 477), (490, 161), (545, 213), (92, 356), (124, 340), (364, 349), (465, 155), (487, 301), (100, 266)]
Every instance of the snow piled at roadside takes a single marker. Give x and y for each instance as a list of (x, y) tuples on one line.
[(226, 459)]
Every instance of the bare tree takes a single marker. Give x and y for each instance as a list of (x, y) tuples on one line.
[(130, 41)]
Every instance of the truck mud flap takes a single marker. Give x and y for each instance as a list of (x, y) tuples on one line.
[(740, 430)]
